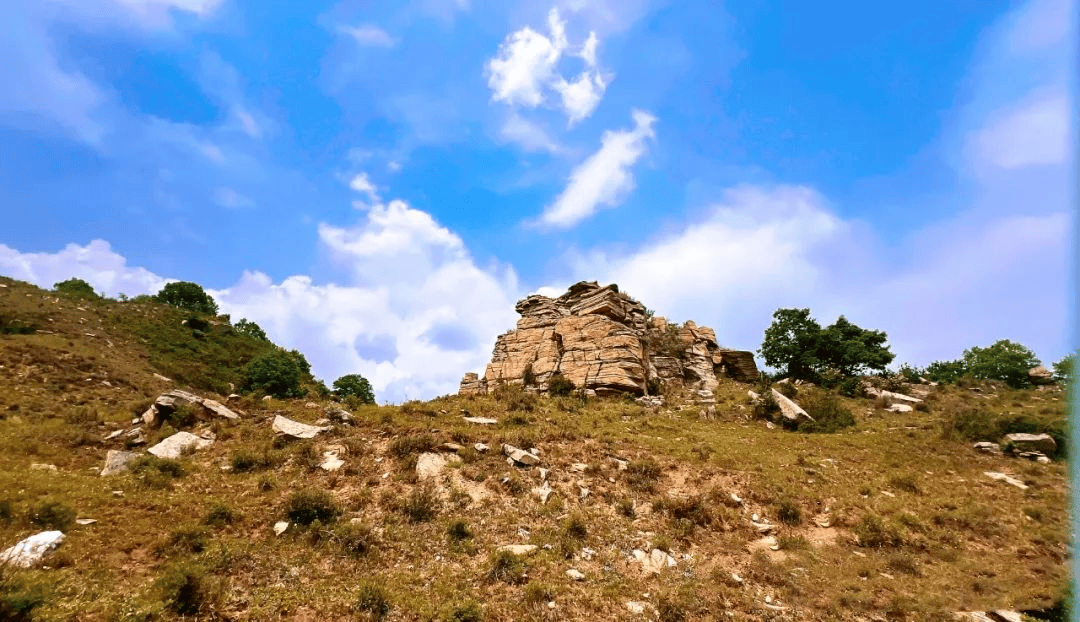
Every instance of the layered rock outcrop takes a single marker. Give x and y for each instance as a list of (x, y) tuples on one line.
[(603, 341)]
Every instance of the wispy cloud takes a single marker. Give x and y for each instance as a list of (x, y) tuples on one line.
[(370, 35), (604, 178)]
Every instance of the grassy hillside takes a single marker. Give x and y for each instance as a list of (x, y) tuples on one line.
[(892, 518)]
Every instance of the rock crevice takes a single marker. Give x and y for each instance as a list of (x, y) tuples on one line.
[(605, 342)]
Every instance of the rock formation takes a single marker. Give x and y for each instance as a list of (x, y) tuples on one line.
[(603, 341)]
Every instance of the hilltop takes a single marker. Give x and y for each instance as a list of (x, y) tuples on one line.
[(502, 504)]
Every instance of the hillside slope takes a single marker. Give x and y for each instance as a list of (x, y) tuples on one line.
[(665, 513)]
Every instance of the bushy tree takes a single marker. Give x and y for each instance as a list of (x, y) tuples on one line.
[(797, 345), (274, 373), (188, 296), (354, 385), (945, 371), (77, 287), (1063, 369), (1006, 361), (251, 329)]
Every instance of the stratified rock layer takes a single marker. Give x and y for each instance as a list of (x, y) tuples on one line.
[(603, 341)]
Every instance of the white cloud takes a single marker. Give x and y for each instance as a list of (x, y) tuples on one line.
[(231, 199), (370, 35), (360, 183), (530, 136), (96, 263), (1036, 132), (415, 315), (525, 70), (604, 179)]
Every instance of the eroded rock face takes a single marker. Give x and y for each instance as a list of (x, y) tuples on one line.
[(603, 341)]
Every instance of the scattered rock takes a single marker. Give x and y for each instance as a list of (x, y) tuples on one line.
[(1040, 375), (736, 499), (331, 461), (280, 527), (451, 447), (655, 561), (295, 429), (583, 493), (162, 378), (543, 492), (117, 461), (1043, 443), (899, 408), (267, 398), (520, 456), (174, 446), (578, 467), (44, 467), (340, 416), (429, 465), (85, 521), (167, 402), (114, 434), (481, 420), (635, 607), (575, 574), (789, 409), (480, 447), (651, 401), (989, 448), (1034, 456), (32, 550), (522, 550), (1007, 479)]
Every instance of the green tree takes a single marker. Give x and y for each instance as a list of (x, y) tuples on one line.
[(1063, 369), (188, 296), (251, 329), (945, 371), (791, 344), (77, 287), (354, 385), (797, 345), (1006, 361), (274, 373)]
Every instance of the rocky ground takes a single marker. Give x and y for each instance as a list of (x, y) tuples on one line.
[(505, 506)]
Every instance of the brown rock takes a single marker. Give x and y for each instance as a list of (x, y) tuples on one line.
[(1040, 375)]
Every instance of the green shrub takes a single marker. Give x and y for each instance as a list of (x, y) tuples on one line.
[(421, 505), (51, 514), (875, 532), (458, 531), (274, 373), (20, 596), (829, 413), (308, 505), (186, 539), (536, 593), (787, 389), (220, 515), (643, 475), (154, 472), (185, 589), (7, 510), (559, 385), (789, 512), (468, 611), (244, 460), (405, 447), (76, 287), (354, 540), (250, 329), (354, 385), (515, 397), (371, 599), (187, 296), (507, 568)]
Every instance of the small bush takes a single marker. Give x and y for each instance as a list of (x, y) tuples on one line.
[(507, 568), (469, 611), (559, 385), (625, 507), (789, 512), (787, 389), (355, 540), (51, 514), (245, 460), (537, 593), (907, 483), (354, 385), (371, 599), (643, 475), (7, 510), (874, 532), (829, 414), (183, 416), (421, 505), (220, 515), (308, 505), (515, 397), (458, 531), (19, 597), (187, 539), (408, 446), (154, 472), (186, 590)]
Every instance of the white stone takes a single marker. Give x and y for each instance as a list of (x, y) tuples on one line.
[(32, 550), (174, 446), (429, 465), (481, 420), (655, 561), (899, 408), (519, 549), (280, 527), (480, 447), (789, 409), (117, 461), (635, 607), (331, 461), (295, 429), (85, 521), (44, 467), (543, 492), (1007, 479), (575, 574), (519, 456)]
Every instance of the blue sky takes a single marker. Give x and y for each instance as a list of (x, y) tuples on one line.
[(377, 182)]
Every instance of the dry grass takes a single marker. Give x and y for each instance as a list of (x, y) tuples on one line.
[(189, 536)]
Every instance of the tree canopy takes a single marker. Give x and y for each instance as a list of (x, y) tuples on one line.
[(251, 329), (77, 287), (356, 386), (797, 345), (274, 373), (187, 296)]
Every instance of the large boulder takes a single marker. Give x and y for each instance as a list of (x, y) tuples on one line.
[(168, 402), (1040, 375), (31, 550), (1042, 443), (174, 446), (604, 342)]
